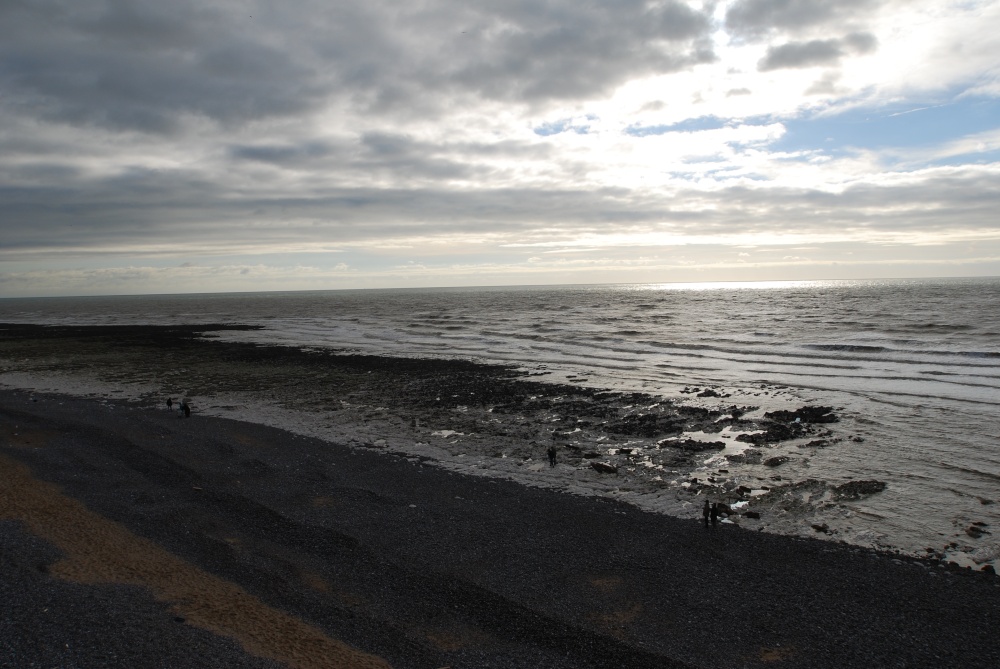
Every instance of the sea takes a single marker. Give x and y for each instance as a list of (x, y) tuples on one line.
[(912, 366)]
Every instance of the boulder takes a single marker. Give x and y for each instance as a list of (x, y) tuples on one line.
[(692, 445), (975, 531), (604, 467), (776, 461), (752, 514), (649, 425), (856, 489), (775, 433), (751, 456), (807, 414)]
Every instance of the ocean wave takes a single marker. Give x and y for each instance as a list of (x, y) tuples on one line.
[(990, 476), (850, 348)]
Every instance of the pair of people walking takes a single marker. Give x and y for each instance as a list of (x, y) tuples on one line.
[(183, 409)]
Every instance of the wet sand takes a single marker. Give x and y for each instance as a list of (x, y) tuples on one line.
[(132, 537)]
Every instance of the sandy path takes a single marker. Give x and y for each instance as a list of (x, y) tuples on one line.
[(98, 550)]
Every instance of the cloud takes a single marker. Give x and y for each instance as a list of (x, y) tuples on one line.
[(816, 52), (144, 66), (284, 154), (150, 67), (135, 133), (758, 18)]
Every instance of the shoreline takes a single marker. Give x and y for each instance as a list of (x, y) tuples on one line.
[(660, 455), (423, 567)]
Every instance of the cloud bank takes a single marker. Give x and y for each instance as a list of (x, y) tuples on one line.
[(334, 144)]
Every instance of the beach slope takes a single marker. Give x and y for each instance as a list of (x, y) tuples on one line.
[(132, 537)]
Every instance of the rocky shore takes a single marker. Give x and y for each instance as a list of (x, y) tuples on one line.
[(475, 418), (132, 536)]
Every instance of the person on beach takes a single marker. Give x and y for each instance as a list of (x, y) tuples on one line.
[(706, 511), (552, 456), (715, 513), (185, 409), (170, 403)]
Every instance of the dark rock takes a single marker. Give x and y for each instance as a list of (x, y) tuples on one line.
[(604, 467), (751, 456), (743, 490), (708, 392), (988, 568), (824, 528), (590, 455), (806, 414), (647, 425), (752, 514), (775, 433), (692, 445), (776, 461), (816, 443), (975, 531), (856, 489)]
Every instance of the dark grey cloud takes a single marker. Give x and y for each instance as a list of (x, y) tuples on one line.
[(815, 52), (756, 18), (568, 50), (287, 154), (145, 210), (148, 65), (143, 65), (919, 206)]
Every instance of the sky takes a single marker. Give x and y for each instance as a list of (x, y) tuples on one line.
[(233, 145)]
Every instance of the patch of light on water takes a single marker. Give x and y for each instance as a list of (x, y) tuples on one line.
[(736, 285)]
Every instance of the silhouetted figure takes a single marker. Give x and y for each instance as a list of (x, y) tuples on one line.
[(552, 456), (706, 511), (715, 514), (170, 403), (185, 409)]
